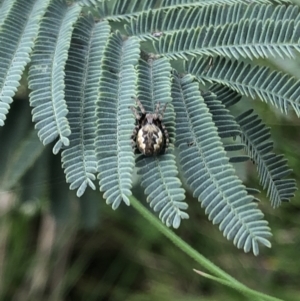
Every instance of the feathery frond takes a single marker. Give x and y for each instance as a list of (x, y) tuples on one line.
[(164, 189), (253, 192), (209, 173), (247, 38), (5, 7), (159, 173), (189, 3), (146, 24), (92, 3), (223, 120), (17, 37), (272, 169), (125, 10), (228, 96), (256, 141), (115, 121), (46, 74), (119, 10), (83, 69), (84, 74), (281, 90)]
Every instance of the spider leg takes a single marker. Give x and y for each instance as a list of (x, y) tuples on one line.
[(156, 112), (138, 102), (135, 131), (134, 147), (157, 108), (161, 114), (166, 134), (136, 113), (133, 144)]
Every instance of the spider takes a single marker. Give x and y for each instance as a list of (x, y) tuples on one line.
[(149, 136)]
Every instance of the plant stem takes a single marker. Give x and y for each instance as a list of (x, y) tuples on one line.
[(200, 259), (238, 287)]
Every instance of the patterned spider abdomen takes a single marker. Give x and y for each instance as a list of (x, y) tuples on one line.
[(149, 136), (150, 139)]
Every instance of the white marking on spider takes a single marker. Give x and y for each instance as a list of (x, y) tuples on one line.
[(150, 135)]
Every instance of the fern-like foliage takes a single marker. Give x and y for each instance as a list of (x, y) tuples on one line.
[(223, 120), (84, 75), (46, 74), (5, 7), (92, 3), (247, 38), (125, 10), (120, 10), (145, 25), (272, 169), (228, 96), (17, 41), (281, 90), (225, 123), (255, 137), (83, 71), (115, 121), (209, 173), (159, 173)]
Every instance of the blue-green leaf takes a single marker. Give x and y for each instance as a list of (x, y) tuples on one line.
[(83, 70), (46, 74), (115, 121)]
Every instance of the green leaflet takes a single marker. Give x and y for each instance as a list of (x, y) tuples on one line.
[(5, 7), (83, 69), (223, 120), (255, 137), (119, 10), (272, 169), (17, 42), (179, 3), (46, 74), (146, 24), (125, 10), (209, 174), (247, 38), (164, 189), (225, 124), (281, 90), (115, 121), (228, 96), (84, 74), (91, 3), (159, 173)]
